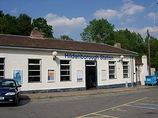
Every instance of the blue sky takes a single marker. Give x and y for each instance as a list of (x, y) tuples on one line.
[(70, 17)]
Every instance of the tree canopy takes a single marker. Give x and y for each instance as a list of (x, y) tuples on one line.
[(131, 41), (66, 37), (98, 31), (101, 31), (22, 25), (154, 52), (8, 24), (41, 24)]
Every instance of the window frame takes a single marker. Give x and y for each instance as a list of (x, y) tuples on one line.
[(112, 64), (65, 70), (3, 68), (125, 74), (32, 69)]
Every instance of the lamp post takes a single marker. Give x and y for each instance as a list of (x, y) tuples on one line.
[(148, 39)]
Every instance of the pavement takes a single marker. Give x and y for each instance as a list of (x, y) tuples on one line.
[(81, 93)]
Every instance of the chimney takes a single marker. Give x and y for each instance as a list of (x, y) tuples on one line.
[(118, 45), (36, 34)]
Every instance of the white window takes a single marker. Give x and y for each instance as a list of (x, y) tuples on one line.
[(125, 69), (112, 70), (64, 70), (1, 67), (34, 68)]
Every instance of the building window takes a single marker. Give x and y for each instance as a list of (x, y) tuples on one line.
[(112, 70), (125, 69), (1, 67), (34, 67), (64, 70)]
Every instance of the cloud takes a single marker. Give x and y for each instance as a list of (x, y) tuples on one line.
[(152, 31), (14, 10), (152, 15), (108, 14), (63, 25), (128, 8), (128, 20)]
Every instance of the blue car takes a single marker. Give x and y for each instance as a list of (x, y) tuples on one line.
[(9, 91)]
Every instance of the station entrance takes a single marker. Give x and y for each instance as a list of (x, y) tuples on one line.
[(91, 74)]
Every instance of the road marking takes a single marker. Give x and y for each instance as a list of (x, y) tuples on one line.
[(105, 116), (137, 103), (98, 112), (93, 115), (118, 109), (149, 106)]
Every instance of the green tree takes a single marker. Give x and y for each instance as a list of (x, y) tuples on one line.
[(2, 24), (130, 41), (154, 52), (24, 24), (1, 13), (8, 24), (65, 37), (16, 26), (99, 31), (41, 24)]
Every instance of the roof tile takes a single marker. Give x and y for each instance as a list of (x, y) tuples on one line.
[(27, 41)]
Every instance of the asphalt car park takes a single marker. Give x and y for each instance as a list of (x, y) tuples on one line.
[(141, 108), (9, 91)]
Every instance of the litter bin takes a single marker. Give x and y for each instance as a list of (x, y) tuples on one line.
[(151, 80)]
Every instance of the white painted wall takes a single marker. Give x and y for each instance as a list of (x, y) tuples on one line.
[(144, 70), (18, 60), (103, 65), (153, 71)]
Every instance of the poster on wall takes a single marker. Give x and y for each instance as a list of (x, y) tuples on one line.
[(79, 75), (51, 75), (103, 74), (17, 75)]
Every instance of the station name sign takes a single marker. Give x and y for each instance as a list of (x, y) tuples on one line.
[(89, 57)]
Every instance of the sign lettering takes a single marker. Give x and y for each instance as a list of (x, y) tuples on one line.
[(90, 57)]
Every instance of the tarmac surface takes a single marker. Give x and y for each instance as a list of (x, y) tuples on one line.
[(81, 93)]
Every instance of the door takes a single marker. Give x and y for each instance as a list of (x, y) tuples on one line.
[(91, 74)]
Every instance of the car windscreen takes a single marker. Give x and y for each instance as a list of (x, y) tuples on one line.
[(7, 83)]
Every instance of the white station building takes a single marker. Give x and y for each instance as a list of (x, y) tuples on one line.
[(49, 65)]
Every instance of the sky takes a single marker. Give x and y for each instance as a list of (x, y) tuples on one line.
[(70, 17)]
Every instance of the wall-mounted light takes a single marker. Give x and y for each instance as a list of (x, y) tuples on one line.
[(54, 53), (121, 58)]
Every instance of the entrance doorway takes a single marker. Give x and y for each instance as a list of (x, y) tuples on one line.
[(91, 74)]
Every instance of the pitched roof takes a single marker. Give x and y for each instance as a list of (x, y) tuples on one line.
[(47, 43)]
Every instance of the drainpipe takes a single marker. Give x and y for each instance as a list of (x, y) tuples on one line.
[(132, 71)]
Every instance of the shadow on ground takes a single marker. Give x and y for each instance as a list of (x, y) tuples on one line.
[(23, 101)]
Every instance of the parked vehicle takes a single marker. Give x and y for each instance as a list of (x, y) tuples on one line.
[(9, 91)]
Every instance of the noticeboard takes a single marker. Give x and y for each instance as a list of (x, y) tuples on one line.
[(51, 75), (103, 74), (79, 75), (17, 75)]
